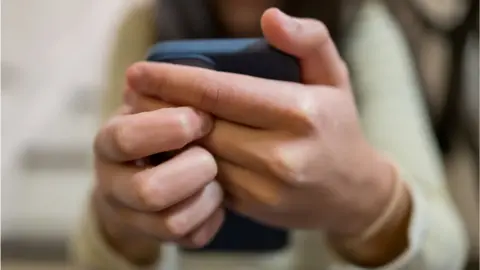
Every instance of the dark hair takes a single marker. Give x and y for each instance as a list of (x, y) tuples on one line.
[(197, 18), (337, 15)]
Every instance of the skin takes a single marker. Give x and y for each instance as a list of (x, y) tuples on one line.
[(290, 155)]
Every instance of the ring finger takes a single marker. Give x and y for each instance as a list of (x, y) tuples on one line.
[(179, 220)]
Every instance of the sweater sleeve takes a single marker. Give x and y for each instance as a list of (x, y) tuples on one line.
[(89, 250), (396, 122), (135, 34)]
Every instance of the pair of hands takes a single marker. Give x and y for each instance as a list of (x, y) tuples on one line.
[(285, 154)]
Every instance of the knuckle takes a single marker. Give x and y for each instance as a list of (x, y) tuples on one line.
[(122, 142), (209, 94), (278, 200), (307, 111), (323, 29), (178, 228), (287, 165), (149, 198), (322, 32), (318, 34), (273, 199), (205, 159), (105, 136), (186, 119), (160, 79)]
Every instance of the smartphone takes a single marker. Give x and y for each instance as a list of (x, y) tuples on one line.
[(254, 57)]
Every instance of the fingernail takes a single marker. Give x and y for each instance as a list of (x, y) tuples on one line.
[(289, 23), (207, 123)]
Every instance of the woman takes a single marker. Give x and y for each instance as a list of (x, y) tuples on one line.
[(321, 174)]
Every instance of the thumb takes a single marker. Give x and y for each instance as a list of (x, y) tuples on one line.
[(309, 41)]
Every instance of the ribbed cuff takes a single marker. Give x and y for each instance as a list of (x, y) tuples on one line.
[(417, 231)]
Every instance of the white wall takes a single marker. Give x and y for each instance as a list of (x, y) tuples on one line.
[(53, 55)]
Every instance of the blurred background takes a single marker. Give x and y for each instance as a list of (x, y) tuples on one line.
[(53, 55), (53, 60)]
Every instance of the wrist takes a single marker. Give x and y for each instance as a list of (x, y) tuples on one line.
[(133, 246), (371, 184), (386, 237)]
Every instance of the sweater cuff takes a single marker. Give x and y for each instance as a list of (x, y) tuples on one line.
[(89, 250), (417, 232)]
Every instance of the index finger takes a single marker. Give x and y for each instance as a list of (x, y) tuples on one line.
[(238, 98)]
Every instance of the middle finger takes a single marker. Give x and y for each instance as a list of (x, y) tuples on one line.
[(180, 220), (157, 188)]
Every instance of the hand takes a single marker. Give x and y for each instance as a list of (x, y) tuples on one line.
[(288, 154), (138, 205)]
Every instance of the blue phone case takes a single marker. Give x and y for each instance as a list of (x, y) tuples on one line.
[(244, 56)]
